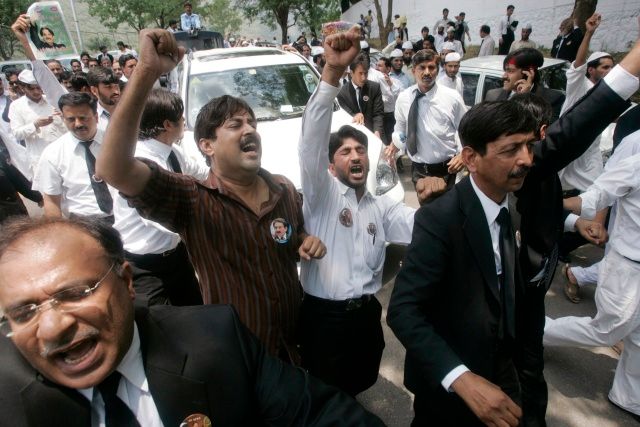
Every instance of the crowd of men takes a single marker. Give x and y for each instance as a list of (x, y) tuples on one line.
[(160, 288)]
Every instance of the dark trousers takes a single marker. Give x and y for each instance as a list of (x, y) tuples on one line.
[(421, 170), (166, 278), (507, 39), (446, 409), (342, 341), (388, 123)]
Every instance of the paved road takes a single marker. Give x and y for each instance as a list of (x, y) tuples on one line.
[(579, 378)]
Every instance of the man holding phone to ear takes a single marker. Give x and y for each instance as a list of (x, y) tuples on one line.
[(521, 75)]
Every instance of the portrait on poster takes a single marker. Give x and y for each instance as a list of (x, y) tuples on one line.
[(48, 35)]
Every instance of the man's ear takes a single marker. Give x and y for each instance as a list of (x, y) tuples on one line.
[(332, 169), (469, 156), (543, 131), (206, 146), (94, 91)]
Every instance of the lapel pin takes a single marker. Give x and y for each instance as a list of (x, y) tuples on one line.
[(196, 420)]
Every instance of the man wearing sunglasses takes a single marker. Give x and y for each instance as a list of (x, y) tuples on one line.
[(78, 354)]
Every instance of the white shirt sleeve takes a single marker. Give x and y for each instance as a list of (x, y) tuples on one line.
[(399, 135), (20, 128), (51, 88), (46, 177), (452, 376), (570, 222), (611, 186), (622, 82)]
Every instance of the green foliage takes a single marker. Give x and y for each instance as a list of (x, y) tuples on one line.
[(271, 12), (94, 43), (313, 13), (222, 16), (138, 14), (9, 11)]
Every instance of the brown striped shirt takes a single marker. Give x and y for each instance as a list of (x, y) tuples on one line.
[(232, 249)]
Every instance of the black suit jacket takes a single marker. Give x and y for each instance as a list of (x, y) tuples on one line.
[(569, 48), (445, 307), (554, 97), (197, 360), (371, 102)]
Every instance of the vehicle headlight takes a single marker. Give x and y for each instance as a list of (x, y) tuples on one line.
[(386, 175)]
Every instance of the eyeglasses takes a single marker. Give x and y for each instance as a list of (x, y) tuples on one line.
[(67, 300)]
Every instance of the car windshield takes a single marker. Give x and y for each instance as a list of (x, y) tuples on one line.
[(273, 92)]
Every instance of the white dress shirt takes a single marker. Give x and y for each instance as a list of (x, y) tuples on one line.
[(103, 117), (401, 78), (389, 93), (23, 113), (505, 23), (355, 255), (439, 113), (487, 46), (62, 171), (491, 211), (438, 40), (133, 390), (190, 21), (139, 235), (4, 98), (454, 83)]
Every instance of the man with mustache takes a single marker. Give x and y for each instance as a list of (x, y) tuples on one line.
[(427, 118), (225, 220), (65, 174), (462, 303), (521, 75), (75, 351)]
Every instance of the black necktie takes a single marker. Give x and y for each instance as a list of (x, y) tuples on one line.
[(359, 100), (173, 161), (412, 124), (5, 114), (100, 189), (508, 257), (117, 413)]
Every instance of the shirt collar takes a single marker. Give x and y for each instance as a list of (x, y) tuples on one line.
[(131, 367), (102, 110), (344, 189), (97, 138), (161, 149), (491, 209), (212, 182), (355, 87)]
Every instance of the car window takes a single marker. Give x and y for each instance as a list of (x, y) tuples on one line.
[(470, 83), (273, 92), (555, 77), (491, 82)]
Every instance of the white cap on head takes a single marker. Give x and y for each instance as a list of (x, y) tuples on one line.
[(452, 57), (447, 46), (317, 50), (363, 44), (450, 29), (527, 26), (407, 45), (597, 55), (395, 53), (26, 77)]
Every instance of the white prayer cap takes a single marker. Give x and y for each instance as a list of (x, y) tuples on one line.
[(363, 44), (452, 57), (395, 53), (450, 29), (317, 50), (527, 26), (26, 76), (407, 45), (597, 55)]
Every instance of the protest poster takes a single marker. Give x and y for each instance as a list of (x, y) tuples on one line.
[(48, 35)]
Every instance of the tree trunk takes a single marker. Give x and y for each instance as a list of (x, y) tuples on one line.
[(582, 10), (384, 27), (282, 17)]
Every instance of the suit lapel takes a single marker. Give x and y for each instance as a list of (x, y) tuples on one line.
[(48, 404), (477, 233), (175, 395)]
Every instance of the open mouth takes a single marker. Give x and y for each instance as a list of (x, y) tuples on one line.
[(357, 171), (249, 147), (76, 356)]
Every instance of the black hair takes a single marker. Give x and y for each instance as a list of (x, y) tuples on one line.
[(171, 22), (424, 55), (79, 81), (18, 227), (49, 61), (539, 108), (485, 29), (488, 121), (363, 60), (161, 105), (445, 10), (75, 60), (121, 43), (85, 54), (99, 75), (387, 61), (511, 6), (12, 71), (525, 58), (126, 57), (336, 139), (596, 63), (66, 75), (48, 29), (425, 28), (74, 99)]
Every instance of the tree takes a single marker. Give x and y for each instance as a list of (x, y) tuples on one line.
[(313, 13), (9, 11), (582, 10), (272, 13), (222, 16), (386, 26), (138, 14)]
